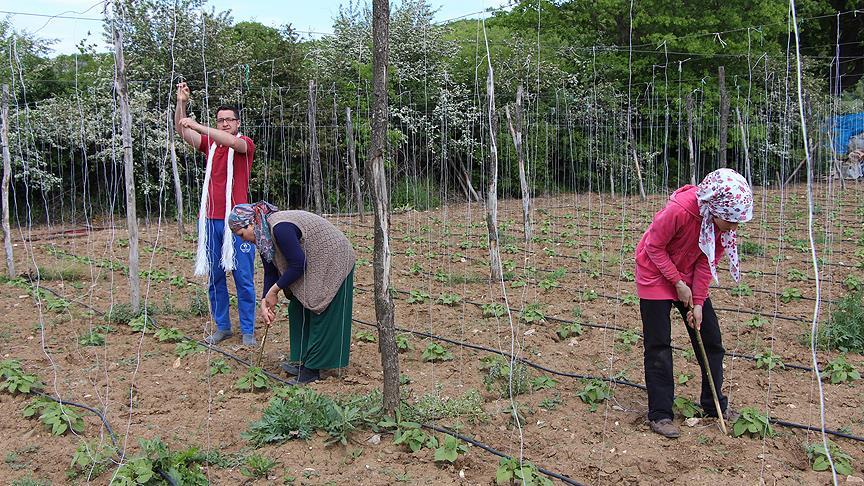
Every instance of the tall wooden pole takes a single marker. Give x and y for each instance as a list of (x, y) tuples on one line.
[(352, 160), (690, 148), (635, 153), (516, 133), (381, 204), (175, 172), (492, 173), (747, 174), (724, 117), (314, 155), (126, 127), (7, 175)]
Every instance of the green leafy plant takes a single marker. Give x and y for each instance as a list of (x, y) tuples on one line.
[(143, 323), (757, 322), (752, 422), (187, 347), (435, 352), (750, 248), (853, 283), (683, 378), (254, 379), (15, 380), (630, 299), (741, 290), (449, 449), (789, 294), (498, 376), (594, 393), (795, 275), (627, 276), (415, 439), (365, 337), (169, 335), (845, 329), (768, 360), (493, 310), (219, 367), (449, 298), (532, 313), (569, 329), (629, 337), (839, 370), (543, 383), (257, 466), (403, 343), (551, 403), (818, 457), (57, 418), (510, 471), (156, 459), (92, 338), (686, 407), (417, 297), (589, 295)]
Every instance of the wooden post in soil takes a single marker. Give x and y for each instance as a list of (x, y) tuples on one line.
[(126, 128), (314, 155), (632, 140), (492, 172), (724, 117), (747, 174), (352, 160), (7, 175), (516, 133), (175, 172), (690, 148), (381, 204)]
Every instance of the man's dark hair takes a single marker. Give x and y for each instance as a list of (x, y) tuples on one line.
[(232, 108)]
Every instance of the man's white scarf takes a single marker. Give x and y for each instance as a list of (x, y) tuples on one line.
[(202, 263)]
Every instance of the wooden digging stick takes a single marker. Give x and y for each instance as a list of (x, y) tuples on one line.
[(264, 341), (708, 372)]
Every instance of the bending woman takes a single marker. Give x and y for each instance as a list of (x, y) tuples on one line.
[(675, 262), (309, 259)]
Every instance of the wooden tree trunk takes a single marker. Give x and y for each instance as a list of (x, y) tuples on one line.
[(747, 172), (352, 160), (724, 117), (381, 203), (7, 175), (126, 128), (314, 155), (175, 172), (690, 148), (492, 174), (516, 133)]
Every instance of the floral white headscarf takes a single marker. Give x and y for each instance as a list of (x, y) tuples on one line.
[(724, 194)]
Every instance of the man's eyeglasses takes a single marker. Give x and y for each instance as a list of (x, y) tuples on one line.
[(223, 120)]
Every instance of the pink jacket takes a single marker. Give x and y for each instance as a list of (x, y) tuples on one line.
[(669, 251)]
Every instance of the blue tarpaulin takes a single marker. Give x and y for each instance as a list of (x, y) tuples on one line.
[(846, 127)]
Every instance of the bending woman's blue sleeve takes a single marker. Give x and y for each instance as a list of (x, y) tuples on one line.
[(286, 236)]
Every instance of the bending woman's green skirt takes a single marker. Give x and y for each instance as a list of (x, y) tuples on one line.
[(323, 341)]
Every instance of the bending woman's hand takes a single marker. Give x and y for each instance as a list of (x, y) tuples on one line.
[(268, 306)]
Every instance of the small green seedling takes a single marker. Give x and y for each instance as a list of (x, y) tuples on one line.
[(686, 407), (510, 471), (795, 275), (449, 449), (450, 299), (254, 379), (417, 297), (493, 310), (629, 337), (56, 417), (753, 423), (92, 338), (741, 290), (630, 299), (819, 461), (257, 466), (219, 367), (839, 370), (768, 360), (543, 383), (594, 393), (790, 294), (403, 343), (532, 313), (757, 322), (435, 352), (365, 337), (187, 347), (169, 335), (569, 329)]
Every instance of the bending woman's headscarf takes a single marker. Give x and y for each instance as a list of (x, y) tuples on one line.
[(255, 214), (725, 194)]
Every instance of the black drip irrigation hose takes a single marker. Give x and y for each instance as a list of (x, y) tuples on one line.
[(783, 423), (616, 328)]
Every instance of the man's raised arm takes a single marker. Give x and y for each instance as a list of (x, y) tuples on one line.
[(191, 137)]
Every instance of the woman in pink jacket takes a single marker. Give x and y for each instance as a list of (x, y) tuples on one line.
[(675, 263)]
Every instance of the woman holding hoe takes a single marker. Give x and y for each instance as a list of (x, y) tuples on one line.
[(675, 263), (309, 259)]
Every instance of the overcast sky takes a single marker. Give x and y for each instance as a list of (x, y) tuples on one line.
[(304, 15)]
